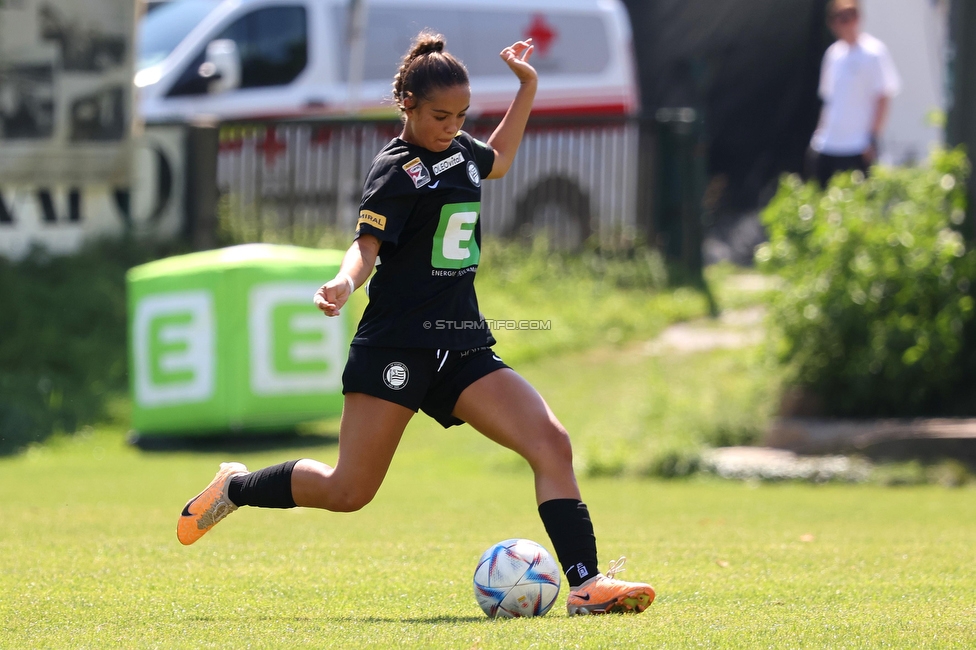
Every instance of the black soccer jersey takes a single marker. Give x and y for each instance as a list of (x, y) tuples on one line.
[(424, 207)]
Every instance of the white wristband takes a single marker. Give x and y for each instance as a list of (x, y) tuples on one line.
[(348, 280)]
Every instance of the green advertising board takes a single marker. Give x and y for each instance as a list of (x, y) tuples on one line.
[(229, 340)]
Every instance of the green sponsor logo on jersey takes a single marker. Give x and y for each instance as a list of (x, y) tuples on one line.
[(454, 243)]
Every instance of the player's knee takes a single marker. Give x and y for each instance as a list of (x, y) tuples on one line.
[(555, 449), (350, 500), (562, 448)]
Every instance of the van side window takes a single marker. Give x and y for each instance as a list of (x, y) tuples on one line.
[(272, 44)]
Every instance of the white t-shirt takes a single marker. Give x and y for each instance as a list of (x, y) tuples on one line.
[(852, 79)]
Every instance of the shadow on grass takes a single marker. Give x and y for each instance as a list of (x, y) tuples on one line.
[(423, 620), (233, 442)]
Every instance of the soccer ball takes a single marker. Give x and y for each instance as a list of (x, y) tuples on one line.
[(516, 578)]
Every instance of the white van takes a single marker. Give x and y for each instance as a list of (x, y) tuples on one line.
[(252, 59), (259, 66)]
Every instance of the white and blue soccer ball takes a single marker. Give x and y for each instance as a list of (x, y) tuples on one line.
[(516, 578)]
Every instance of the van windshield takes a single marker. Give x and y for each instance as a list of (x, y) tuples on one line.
[(162, 29)]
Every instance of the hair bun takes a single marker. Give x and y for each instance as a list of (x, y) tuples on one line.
[(419, 73), (428, 43)]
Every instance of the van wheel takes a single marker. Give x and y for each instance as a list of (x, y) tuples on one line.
[(556, 208)]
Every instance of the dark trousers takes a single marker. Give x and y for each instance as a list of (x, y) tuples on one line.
[(823, 166)]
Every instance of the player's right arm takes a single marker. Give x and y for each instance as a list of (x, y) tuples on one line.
[(357, 264), (389, 196), (507, 137)]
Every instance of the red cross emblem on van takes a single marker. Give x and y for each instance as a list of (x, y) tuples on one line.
[(541, 33)]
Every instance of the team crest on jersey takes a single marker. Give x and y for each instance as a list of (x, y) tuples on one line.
[(418, 172), (396, 375), (473, 174), (442, 166)]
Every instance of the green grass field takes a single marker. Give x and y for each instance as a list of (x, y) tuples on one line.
[(90, 556)]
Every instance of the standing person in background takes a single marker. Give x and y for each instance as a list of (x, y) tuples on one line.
[(857, 81)]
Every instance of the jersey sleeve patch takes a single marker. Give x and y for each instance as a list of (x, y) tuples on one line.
[(370, 218), (417, 172)]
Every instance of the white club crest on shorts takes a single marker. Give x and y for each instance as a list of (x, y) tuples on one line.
[(396, 376), (473, 174)]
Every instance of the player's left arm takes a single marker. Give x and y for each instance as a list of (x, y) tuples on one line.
[(507, 137)]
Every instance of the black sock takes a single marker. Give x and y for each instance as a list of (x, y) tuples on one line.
[(568, 523), (266, 488)]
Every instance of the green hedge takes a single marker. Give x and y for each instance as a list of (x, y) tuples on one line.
[(62, 339), (875, 317)]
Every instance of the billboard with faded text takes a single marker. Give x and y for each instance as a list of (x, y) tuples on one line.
[(65, 89), (67, 155)]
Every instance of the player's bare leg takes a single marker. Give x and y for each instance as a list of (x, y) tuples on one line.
[(507, 409), (369, 434), (370, 431)]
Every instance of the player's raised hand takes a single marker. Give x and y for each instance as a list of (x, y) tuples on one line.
[(332, 295), (517, 57)]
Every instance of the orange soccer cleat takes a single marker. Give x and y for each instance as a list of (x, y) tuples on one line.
[(202, 512), (602, 594)]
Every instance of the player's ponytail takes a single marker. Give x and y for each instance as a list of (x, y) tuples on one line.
[(426, 67)]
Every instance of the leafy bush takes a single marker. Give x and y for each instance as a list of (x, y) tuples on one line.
[(733, 434), (673, 463), (62, 339), (876, 312)]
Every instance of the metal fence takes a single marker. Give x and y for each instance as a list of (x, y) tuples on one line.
[(571, 180)]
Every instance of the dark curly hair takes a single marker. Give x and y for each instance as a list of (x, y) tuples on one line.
[(426, 66)]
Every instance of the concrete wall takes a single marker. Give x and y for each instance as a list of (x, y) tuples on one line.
[(915, 33)]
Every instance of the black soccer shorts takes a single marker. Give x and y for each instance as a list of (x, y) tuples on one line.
[(418, 378)]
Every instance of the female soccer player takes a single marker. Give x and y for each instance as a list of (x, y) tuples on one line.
[(422, 342)]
